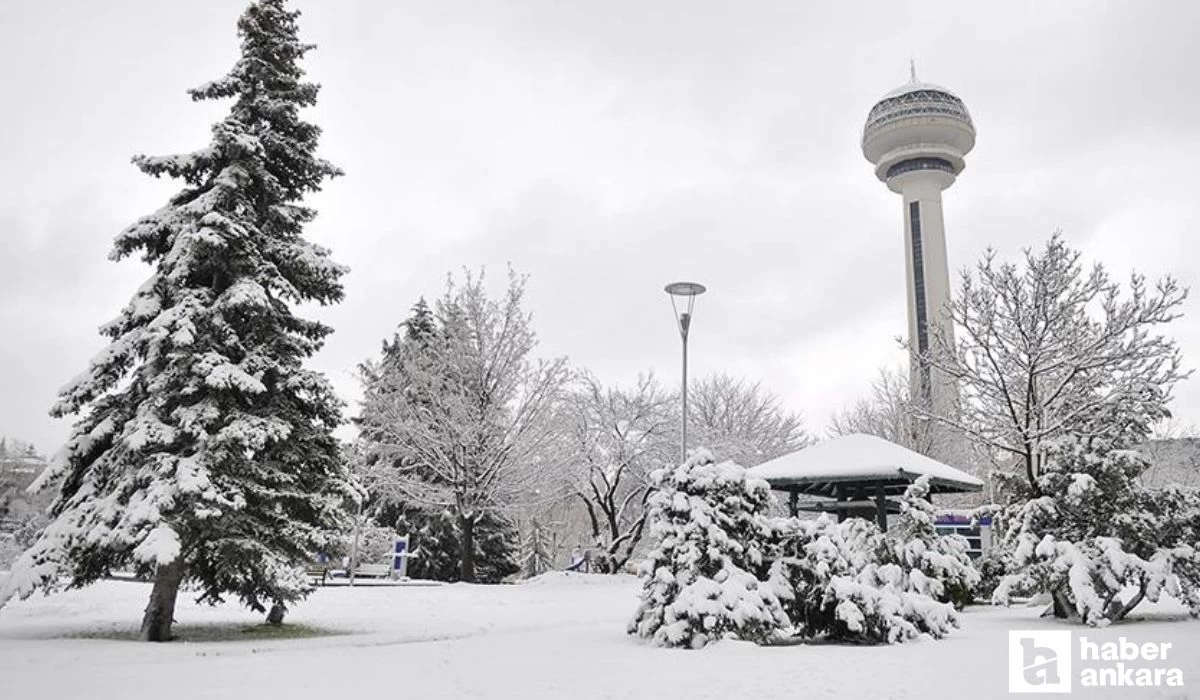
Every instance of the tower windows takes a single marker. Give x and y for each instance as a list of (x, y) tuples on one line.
[(918, 267), (908, 166)]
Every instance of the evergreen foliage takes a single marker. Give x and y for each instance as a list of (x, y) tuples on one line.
[(537, 550), (939, 564), (706, 577), (721, 567), (1095, 532), (848, 581), (462, 419), (435, 542), (203, 452)]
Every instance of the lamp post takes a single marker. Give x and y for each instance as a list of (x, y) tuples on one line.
[(683, 299)]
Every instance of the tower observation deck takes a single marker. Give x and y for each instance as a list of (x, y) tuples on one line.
[(917, 137)]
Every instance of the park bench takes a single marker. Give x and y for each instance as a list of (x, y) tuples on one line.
[(373, 571), (317, 575)]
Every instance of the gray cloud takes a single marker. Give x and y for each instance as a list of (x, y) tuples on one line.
[(606, 150)]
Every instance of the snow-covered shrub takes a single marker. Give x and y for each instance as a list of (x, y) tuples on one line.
[(8, 550), (1090, 530), (947, 572), (706, 577), (992, 567), (848, 581)]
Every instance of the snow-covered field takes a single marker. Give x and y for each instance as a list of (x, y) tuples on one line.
[(560, 636)]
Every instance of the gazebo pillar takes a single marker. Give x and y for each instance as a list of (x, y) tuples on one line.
[(880, 507)]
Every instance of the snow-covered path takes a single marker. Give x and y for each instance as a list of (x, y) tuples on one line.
[(561, 637)]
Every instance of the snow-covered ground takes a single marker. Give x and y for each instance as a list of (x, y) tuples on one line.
[(560, 636)]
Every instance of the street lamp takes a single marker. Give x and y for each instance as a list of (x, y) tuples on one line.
[(683, 298)]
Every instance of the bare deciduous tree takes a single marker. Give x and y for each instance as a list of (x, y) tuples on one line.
[(742, 421), (618, 436), (1049, 350), (465, 423), (888, 413)]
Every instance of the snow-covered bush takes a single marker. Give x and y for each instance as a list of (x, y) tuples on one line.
[(1090, 531), (8, 550), (992, 567), (706, 576), (947, 572), (849, 581)]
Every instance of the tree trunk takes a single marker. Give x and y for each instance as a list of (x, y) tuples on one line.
[(466, 570), (1133, 603), (276, 613), (160, 612), (1063, 607)]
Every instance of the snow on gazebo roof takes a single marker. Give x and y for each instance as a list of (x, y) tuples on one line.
[(860, 459)]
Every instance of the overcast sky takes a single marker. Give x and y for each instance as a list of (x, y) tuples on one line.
[(606, 149)]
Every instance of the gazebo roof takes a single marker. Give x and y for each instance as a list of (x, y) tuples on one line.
[(860, 460)]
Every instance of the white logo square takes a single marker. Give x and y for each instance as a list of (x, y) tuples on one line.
[(1039, 661)]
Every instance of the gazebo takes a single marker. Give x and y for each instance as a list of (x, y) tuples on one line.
[(858, 476)]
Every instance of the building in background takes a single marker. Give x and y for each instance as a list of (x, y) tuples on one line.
[(20, 464), (917, 137)]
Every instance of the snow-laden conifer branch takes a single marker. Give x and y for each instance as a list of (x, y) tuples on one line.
[(203, 452)]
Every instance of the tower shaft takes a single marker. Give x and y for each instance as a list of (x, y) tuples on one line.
[(928, 284)]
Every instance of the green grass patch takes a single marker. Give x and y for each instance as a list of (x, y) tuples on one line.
[(219, 632)]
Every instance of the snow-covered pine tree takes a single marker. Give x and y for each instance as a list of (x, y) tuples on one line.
[(537, 555), (844, 581), (937, 565), (705, 578), (436, 543), (1095, 533), (204, 454)]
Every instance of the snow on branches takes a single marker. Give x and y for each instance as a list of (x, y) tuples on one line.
[(1051, 350), (849, 581), (204, 447), (705, 579), (459, 416), (939, 564), (722, 568), (616, 438), (1097, 539)]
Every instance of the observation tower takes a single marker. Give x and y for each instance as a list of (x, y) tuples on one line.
[(917, 136)]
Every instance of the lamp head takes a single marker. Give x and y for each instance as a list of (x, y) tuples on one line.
[(683, 299)]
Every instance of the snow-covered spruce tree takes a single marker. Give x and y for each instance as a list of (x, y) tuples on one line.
[(203, 454), (537, 550), (706, 577), (938, 565), (844, 581), (1095, 532), (436, 541)]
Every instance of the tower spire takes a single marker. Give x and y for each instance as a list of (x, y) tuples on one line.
[(912, 70)]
